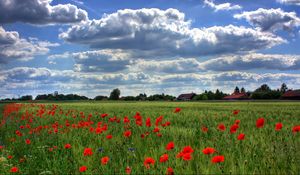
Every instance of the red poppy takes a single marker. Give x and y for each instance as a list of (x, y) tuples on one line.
[(109, 136), (148, 122), (208, 150), (204, 129), (260, 122), (221, 127), (68, 146), (278, 126), (1, 147), (237, 122), (187, 156), (88, 152), (177, 110), (27, 141), (187, 149), (159, 135), (148, 161), (126, 120), (170, 171), (158, 120), (164, 158), (82, 169), (14, 169), (128, 170), (296, 129), (234, 128), (10, 157), (104, 115), (241, 137), (235, 112), (217, 159), (104, 160), (127, 133), (156, 129), (170, 146)]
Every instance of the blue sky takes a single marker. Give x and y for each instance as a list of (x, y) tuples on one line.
[(140, 46)]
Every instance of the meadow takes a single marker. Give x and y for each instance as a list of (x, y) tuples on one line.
[(150, 138)]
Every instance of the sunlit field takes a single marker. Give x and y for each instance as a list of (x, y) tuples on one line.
[(150, 138)]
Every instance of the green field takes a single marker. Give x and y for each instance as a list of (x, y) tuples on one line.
[(263, 151)]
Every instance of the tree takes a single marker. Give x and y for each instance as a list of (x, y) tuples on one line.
[(100, 97), (115, 94), (263, 88), (237, 90), (243, 90), (283, 88)]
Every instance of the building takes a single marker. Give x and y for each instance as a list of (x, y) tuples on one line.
[(237, 96), (291, 95), (186, 97)]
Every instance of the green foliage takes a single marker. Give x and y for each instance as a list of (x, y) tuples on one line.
[(115, 94)]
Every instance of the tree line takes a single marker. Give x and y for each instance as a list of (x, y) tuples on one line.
[(263, 92)]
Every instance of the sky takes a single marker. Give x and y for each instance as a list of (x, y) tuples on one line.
[(89, 47)]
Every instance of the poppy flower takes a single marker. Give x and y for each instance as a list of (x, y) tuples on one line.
[(27, 141), (156, 129), (235, 112), (127, 134), (221, 127), (204, 129), (104, 160), (187, 149), (260, 122), (104, 115), (82, 169), (237, 122), (296, 129), (148, 161), (164, 158), (170, 146), (128, 170), (88, 152), (170, 171), (10, 157), (234, 128), (187, 156), (109, 136), (217, 159), (14, 169), (68, 146), (159, 135), (158, 120), (241, 137), (148, 122), (208, 150), (177, 110), (278, 126)]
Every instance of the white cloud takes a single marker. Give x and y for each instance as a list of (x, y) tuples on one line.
[(224, 6), (289, 2), (39, 12), (271, 19), (12, 47), (165, 33)]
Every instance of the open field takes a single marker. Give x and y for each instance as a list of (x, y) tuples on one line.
[(51, 138)]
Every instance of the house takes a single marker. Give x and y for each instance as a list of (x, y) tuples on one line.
[(291, 95), (186, 97), (237, 96)]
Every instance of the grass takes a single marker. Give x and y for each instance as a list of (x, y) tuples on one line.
[(263, 151)]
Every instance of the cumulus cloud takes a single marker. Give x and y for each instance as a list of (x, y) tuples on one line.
[(97, 61), (289, 2), (252, 61), (271, 19), (12, 47), (39, 12), (165, 32), (218, 7)]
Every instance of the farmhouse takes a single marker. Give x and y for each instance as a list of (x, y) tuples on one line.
[(291, 95), (186, 97), (237, 96)]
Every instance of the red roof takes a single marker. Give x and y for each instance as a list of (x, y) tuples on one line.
[(236, 96), (295, 93)]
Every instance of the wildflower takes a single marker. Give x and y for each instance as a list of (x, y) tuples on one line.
[(241, 137), (208, 150), (27, 141), (127, 133), (187, 156), (278, 126), (104, 160), (296, 129), (82, 169), (68, 146), (109, 136), (14, 169), (235, 112), (177, 110), (170, 146), (9, 156), (204, 129), (260, 122), (148, 122), (87, 152), (221, 127), (234, 128), (170, 171), (104, 115), (148, 161), (128, 170), (217, 159), (164, 158)]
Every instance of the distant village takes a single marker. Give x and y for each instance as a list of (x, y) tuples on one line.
[(264, 92)]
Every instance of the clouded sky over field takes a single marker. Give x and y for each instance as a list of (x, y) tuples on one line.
[(89, 47)]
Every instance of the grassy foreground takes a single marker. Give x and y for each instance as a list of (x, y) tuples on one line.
[(52, 138)]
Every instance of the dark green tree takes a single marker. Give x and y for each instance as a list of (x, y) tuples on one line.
[(115, 94)]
